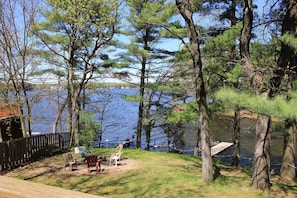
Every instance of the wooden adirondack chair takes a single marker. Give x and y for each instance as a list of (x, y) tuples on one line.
[(116, 156), (93, 161), (69, 161), (83, 152)]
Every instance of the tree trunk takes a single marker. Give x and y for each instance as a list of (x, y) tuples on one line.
[(58, 116), (236, 131), (69, 119), (207, 167), (29, 111), (148, 129), (288, 57), (200, 93), (142, 91), (77, 110), (22, 119), (196, 149), (236, 154), (261, 166), (70, 89), (22, 116), (288, 162), (147, 125), (289, 155), (140, 109)]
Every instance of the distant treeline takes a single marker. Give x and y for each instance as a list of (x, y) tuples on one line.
[(30, 86)]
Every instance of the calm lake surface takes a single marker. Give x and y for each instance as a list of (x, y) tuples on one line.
[(120, 121)]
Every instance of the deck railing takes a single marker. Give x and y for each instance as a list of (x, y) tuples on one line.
[(14, 153)]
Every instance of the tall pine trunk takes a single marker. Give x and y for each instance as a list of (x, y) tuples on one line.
[(184, 8), (70, 105), (140, 106), (287, 57), (261, 166), (76, 124), (288, 161), (148, 125), (59, 115), (236, 154), (236, 130)]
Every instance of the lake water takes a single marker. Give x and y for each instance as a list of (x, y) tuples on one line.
[(120, 121)]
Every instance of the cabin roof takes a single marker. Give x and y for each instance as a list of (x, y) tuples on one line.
[(8, 110)]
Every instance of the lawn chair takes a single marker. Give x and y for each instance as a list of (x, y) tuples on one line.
[(69, 161), (83, 152), (93, 161), (116, 156)]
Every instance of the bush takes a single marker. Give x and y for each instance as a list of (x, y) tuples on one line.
[(88, 129)]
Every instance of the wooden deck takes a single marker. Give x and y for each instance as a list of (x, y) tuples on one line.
[(220, 147), (17, 188)]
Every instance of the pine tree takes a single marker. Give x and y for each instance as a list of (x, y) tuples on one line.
[(144, 55), (76, 34), (287, 62), (184, 8)]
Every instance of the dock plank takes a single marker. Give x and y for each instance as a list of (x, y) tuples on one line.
[(220, 147)]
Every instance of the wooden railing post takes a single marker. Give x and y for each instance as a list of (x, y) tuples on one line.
[(13, 153)]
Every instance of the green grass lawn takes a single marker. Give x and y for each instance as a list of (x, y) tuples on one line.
[(160, 174)]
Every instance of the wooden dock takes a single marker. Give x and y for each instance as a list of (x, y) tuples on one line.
[(220, 147)]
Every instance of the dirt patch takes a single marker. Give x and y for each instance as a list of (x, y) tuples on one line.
[(124, 165), (47, 165)]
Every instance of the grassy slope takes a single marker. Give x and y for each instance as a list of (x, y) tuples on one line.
[(162, 175)]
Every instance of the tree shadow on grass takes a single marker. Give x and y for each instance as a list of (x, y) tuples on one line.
[(286, 186), (113, 185), (217, 172)]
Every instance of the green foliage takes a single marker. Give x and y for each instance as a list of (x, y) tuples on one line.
[(182, 85), (88, 128), (290, 41), (215, 107), (131, 98), (222, 44), (278, 107), (146, 20), (263, 56), (176, 135), (221, 58), (174, 29), (84, 27), (151, 12), (137, 51), (233, 77), (53, 71), (189, 113)]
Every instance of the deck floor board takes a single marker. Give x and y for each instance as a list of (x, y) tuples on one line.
[(17, 188)]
